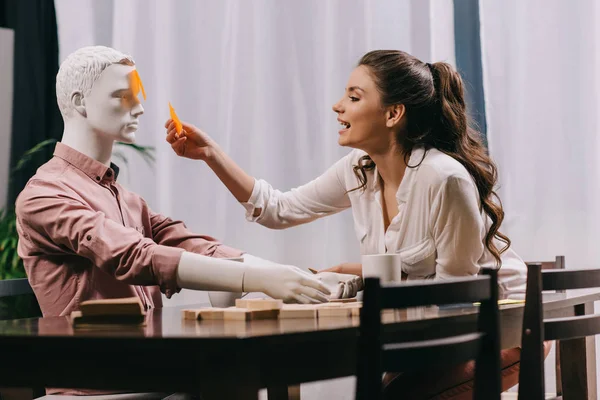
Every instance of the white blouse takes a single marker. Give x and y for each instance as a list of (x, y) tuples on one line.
[(439, 231)]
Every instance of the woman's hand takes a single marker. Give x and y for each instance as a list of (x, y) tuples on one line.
[(191, 143), (346, 268)]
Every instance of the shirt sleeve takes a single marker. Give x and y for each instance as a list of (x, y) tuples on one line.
[(458, 229), (323, 196), (168, 232), (63, 219)]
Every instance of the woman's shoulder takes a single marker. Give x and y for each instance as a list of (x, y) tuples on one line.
[(437, 167)]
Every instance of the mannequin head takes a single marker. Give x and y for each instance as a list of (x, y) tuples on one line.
[(94, 93)]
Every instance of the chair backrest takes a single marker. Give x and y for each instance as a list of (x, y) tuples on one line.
[(558, 263), (481, 344), (536, 329), (17, 300)]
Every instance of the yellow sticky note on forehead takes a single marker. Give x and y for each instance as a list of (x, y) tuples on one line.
[(175, 118), (135, 82)]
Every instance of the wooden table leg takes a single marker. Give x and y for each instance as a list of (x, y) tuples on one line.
[(559, 391), (283, 392), (578, 363)]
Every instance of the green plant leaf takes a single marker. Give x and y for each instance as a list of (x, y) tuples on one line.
[(146, 152), (4, 259), (121, 157), (26, 157)]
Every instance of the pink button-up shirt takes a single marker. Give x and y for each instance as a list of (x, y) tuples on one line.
[(83, 236)]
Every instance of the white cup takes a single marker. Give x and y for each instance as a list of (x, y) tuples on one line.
[(225, 299), (386, 267)]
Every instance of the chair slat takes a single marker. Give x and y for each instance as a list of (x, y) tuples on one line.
[(425, 293), (15, 287), (418, 355), (481, 344), (571, 327), (17, 300), (570, 279)]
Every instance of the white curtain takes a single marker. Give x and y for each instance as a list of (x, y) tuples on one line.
[(260, 77), (541, 71)]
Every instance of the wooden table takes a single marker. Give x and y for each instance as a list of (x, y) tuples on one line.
[(231, 359)]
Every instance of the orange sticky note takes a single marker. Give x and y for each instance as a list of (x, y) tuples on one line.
[(135, 82), (175, 118)]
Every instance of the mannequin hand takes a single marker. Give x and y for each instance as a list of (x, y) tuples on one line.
[(291, 284), (192, 143), (341, 286)]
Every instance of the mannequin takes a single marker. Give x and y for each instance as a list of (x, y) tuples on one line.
[(99, 107)]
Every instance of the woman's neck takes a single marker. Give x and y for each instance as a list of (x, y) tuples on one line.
[(391, 166)]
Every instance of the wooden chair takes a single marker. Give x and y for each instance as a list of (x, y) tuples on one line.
[(558, 263), (482, 345), (536, 329), (17, 301)]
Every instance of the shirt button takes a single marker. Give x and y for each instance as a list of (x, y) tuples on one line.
[(98, 178), (89, 237), (108, 173)]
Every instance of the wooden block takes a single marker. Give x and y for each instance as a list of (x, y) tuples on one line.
[(292, 312), (212, 314), (80, 321), (354, 308), (244, 314), (208, 313), (123, 306), (325, 312), (329, 305), (190, 314), (259, 304), (349, 300)]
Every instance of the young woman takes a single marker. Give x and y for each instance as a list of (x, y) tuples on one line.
[(419, 182)]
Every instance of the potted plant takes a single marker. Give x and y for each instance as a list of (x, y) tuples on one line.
[(11, 266)]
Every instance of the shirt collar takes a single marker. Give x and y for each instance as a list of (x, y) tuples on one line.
[(94, 169)]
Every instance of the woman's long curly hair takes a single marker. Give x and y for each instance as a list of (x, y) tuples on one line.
[(436, 117)]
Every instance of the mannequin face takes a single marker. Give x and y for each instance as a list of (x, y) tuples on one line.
[(111, 108)]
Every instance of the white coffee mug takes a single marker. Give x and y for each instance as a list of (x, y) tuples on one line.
[(225, 299), (386, 267)]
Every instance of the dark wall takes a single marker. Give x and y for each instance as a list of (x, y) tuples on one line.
[(36, 116)]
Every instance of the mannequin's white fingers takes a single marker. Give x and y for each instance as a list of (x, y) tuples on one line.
[(313, 295), (359, 283), (348, 289), (338, 293), (300, 299), (308, 280), (352, 289)]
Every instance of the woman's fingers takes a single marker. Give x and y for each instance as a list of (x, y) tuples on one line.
[(179, 146)]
